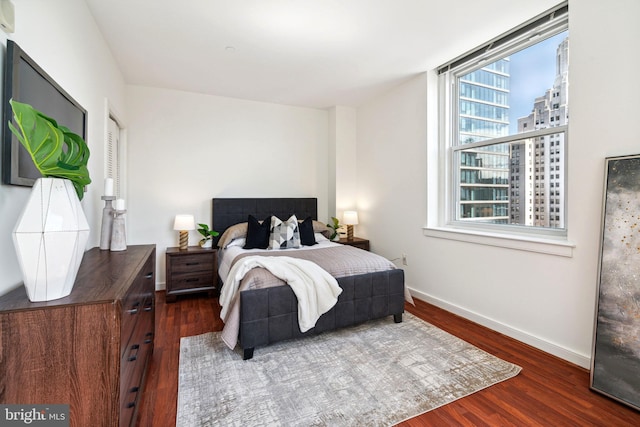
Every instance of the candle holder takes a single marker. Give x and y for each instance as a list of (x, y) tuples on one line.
[(118, 236), (107, 222)]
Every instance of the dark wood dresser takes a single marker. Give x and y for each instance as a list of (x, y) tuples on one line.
[(90, 349)]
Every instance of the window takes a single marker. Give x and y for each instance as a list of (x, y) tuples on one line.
[(495, 128)]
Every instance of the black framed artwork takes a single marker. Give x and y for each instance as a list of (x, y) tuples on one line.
[(25, 81), (615, 359)]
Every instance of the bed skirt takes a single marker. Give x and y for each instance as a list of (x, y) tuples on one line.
[(270, 315)]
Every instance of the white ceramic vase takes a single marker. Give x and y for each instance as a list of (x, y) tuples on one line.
[(50, 238), (207, 243)]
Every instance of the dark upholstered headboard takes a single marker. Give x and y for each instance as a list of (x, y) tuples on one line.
[(227, 212)]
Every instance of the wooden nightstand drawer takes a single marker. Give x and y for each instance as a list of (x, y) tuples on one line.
[(191, 281), (192, 263), (190, 270)]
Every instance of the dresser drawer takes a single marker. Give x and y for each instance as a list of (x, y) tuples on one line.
[(133, 365), (134, 360), (129, 318), (193, 263), (139, 299)]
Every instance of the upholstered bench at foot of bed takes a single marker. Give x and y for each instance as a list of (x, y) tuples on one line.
[(270, 315)]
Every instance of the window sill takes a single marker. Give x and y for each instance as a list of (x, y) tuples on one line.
[(522, 243)]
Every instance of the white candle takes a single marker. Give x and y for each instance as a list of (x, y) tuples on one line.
[(108, 187), (120, 204)]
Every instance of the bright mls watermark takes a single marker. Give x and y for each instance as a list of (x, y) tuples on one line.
[(34, 415)]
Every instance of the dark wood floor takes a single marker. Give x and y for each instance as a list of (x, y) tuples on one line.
[(548, 391)]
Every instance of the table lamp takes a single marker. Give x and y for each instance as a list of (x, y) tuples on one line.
[(184, 223), (350, 218)]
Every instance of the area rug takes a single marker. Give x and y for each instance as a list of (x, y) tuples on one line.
[(376, 374)]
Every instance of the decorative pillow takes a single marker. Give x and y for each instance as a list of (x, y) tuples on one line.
[(258, 233), (232, 233), (306, 232), (284, 235), (319, 227)]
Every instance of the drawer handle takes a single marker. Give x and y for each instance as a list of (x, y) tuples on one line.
[(134, 308), (192, 263), (148, 338), (149, 276), (131, 405), (132, 357), (134, 389)]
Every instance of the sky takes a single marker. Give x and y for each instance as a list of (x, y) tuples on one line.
[(533, 71)]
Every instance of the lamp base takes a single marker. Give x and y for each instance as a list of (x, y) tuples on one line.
[(349, 232), (184, 240)]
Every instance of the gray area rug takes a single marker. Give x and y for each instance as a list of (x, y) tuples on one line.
[(376, 374)]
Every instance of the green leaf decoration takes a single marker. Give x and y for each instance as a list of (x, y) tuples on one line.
[(55, 150), (334, 225), (206, 233)]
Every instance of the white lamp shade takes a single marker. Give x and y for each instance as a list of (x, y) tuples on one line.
[(350, 218), (184, 222)]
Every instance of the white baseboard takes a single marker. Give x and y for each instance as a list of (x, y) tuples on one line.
[(546, 346)]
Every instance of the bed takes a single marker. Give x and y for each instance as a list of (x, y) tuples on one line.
[(266, 315)]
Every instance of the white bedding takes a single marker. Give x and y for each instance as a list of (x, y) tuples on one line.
[(226, 257)]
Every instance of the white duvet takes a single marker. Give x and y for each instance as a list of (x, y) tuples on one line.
[(316, 290)]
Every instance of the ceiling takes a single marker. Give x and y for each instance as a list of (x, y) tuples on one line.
[(312, 53)]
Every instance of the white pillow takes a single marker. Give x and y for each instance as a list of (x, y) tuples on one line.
[(320, 237), (284, 235), (236, 242)]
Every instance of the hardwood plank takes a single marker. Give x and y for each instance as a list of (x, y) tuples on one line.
[(548, 392)]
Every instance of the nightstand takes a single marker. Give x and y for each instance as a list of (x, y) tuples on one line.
[(357, 242), (191, 270)]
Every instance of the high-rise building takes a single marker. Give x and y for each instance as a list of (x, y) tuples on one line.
[(537, 164), (484, 172)]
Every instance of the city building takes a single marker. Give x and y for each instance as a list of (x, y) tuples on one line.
[(538, 164), (484, 172)]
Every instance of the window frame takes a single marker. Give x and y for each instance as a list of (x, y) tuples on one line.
[(546, 25)]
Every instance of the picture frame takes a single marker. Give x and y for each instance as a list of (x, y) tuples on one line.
[(25, 81), (615, 358)]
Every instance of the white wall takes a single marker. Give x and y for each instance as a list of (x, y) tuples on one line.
[(547, 301), (343, 127), (63, 39), (185, 148)]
